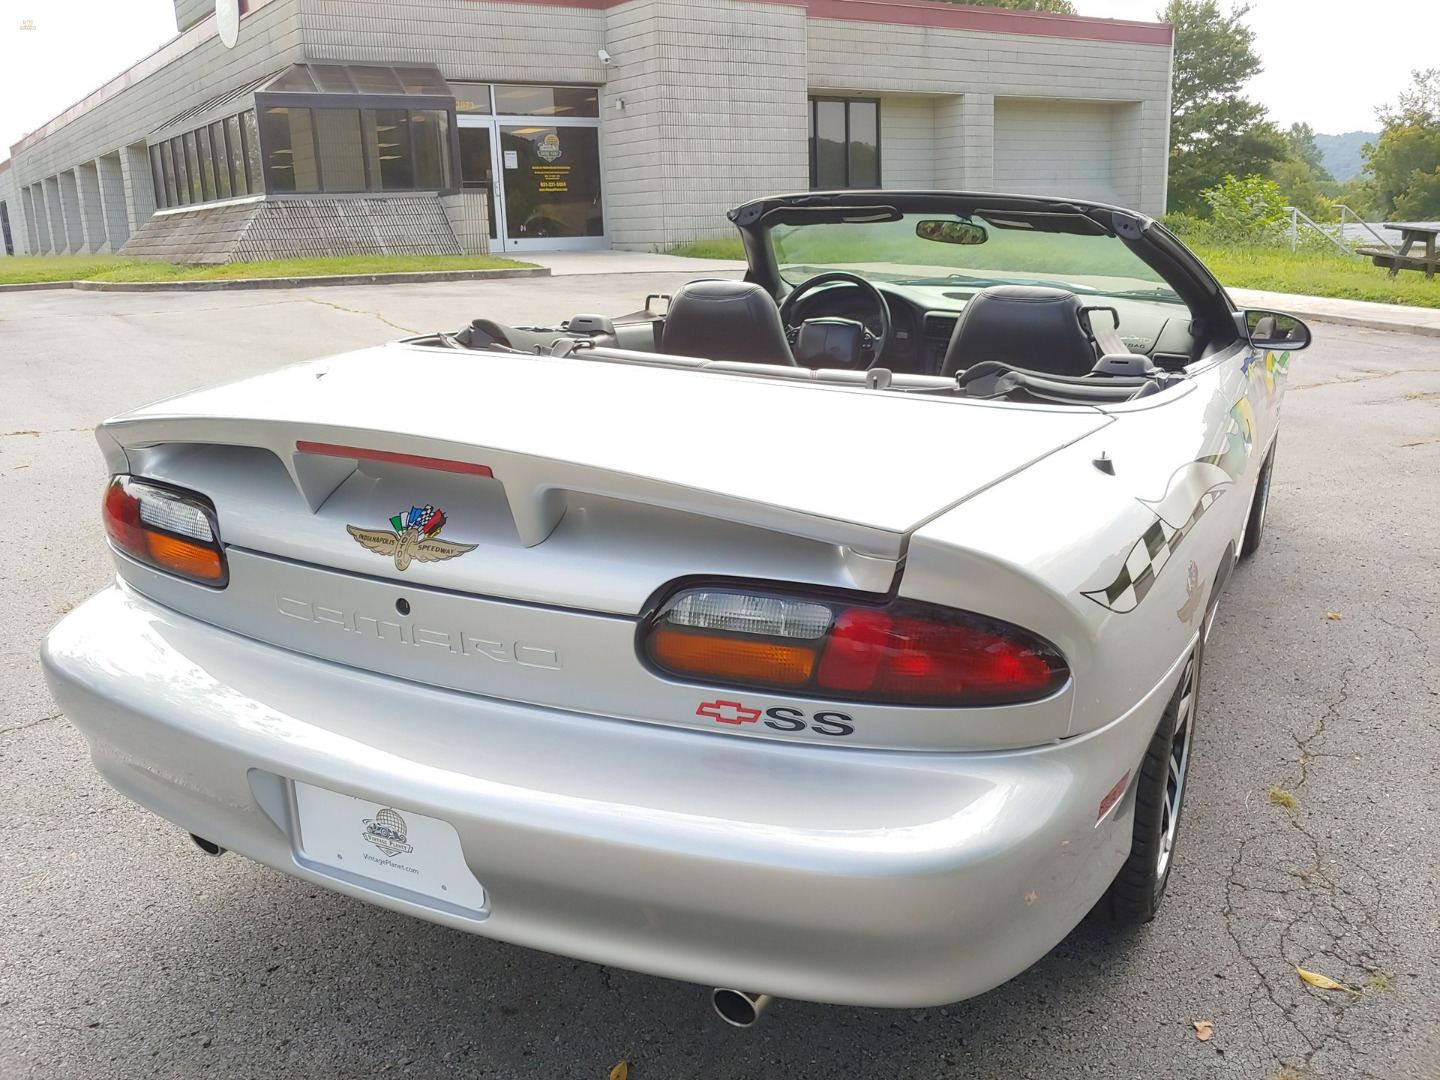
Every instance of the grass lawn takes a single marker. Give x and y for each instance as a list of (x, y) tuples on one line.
[(728, 248), (32, 268), (1318, 274), (1306, 273)]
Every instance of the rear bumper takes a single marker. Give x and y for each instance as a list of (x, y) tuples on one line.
[(840, 875)]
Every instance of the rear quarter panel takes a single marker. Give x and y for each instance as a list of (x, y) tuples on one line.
[(1116, 570)]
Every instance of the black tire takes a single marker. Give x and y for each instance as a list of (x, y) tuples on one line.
[(1134, 895), (1255, 523)]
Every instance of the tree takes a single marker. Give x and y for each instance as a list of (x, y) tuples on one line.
[(1301, 141), (1405, 160), (1059, 7), (1215, 131)]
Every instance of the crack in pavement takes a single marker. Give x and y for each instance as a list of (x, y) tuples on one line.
[(1306, 903), (357, 311), (48, 431), (30, 724)]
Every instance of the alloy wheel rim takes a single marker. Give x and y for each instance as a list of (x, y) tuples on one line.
[(1177, 768)]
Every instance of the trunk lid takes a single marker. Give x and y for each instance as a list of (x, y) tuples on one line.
[(593, 466)]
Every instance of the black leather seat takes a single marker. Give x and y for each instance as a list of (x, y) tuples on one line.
[(1031, 327), (725, 320)]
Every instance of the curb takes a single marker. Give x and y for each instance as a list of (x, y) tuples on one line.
[(1363, 323), (218, 284)]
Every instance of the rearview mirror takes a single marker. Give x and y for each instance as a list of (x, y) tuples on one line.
[(1272, 330), (951, 232)]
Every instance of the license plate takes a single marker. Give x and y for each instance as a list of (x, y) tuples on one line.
[(384, 846)]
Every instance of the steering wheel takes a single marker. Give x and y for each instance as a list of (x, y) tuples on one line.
[(874, 342)]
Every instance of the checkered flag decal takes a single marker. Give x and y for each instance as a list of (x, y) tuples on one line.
[(1146, 559)]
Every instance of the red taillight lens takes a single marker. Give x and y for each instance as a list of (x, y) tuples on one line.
[(164, 527), (900, 653), (875, 653)]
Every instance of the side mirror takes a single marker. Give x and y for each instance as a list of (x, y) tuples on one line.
[(952, 232), (1272, 330)]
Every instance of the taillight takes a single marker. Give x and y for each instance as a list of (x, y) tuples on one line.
[(901, 652), (167, 528)]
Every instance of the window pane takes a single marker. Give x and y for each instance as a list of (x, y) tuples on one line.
[(222, 160), (295, 81), (376, 80), (430, 136), (250, 129), (342, 166), (167, 163), (423, 80), (471, 97), (157, 178), (331, 79), (547, 101), (290, 149), (192, 167), (182, 171), (477, 167), (556, 189), (829, 152), (207, 164), (864, 144), (236, 156), (387, 145)]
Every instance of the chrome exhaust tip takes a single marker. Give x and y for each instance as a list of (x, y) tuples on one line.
[(738, 1008), (209, 847)]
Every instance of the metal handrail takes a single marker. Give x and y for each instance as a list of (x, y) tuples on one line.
[(1337, 237), (1363, 224), (1297, 216)]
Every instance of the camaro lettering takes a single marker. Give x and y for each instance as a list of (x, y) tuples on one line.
[(460, 643), (779, 718)]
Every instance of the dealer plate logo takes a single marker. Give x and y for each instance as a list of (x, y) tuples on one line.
[(387, 831)]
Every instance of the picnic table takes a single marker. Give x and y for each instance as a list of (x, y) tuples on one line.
[(1411, 233)]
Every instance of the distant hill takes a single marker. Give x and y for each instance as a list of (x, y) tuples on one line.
[(1342, 152)]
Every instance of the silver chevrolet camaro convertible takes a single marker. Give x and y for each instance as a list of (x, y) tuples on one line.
[(836, 634)]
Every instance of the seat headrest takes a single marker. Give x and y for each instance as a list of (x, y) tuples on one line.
[(1033, 327), (725, 320)]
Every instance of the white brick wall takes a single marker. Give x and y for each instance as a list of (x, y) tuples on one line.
[(1062, 147), (908, 154)]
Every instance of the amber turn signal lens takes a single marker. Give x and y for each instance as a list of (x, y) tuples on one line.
[(731, 658), (183, 557)]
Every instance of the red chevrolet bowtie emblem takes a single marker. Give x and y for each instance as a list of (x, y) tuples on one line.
[(728, 712)]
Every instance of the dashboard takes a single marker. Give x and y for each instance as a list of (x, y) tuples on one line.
[(923, 317)]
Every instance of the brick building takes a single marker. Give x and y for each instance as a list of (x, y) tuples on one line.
[(270, 128)]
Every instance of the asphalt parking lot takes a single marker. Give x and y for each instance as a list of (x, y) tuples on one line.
[(125, 953)]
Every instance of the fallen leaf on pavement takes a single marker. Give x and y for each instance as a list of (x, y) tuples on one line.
[(1280, 797), (1204, 1029), (621, 1071), (1332, 615), (1322, 982), (1030, 897)]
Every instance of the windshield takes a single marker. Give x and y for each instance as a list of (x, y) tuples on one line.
[(1005, 249)]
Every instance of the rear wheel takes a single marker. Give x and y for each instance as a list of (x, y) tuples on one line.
[(1255, 524), (1135, 893)]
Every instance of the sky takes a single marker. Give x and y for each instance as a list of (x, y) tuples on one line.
[(1325, 70)]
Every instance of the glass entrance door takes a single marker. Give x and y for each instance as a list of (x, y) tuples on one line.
[(478, 165), (552, 183)]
